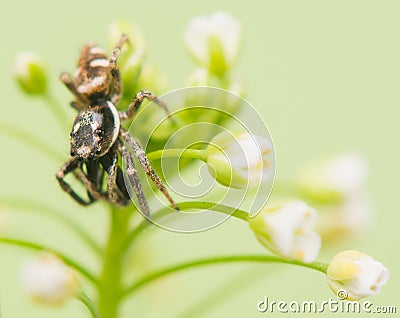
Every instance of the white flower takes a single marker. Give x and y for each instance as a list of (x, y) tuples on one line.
[(339, 185), (48, 280), (213, 41), (30, 73), (356, 273), (351, 217), (288, 230), (337, 178), (240, 160), (199, 77)]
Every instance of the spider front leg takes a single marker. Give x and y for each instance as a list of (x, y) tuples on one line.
[(134, 180), (116, 95), (70, 166), (137, 102), (115, 179), (145, 163)]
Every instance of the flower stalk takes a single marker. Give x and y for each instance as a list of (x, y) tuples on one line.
[(66, 259), (110, 281), (89, 304), (321, 267)]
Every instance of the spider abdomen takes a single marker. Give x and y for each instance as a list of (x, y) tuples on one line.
[(93, 77), (95, 130)]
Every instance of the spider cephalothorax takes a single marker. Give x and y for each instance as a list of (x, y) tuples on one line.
[(94, 131), (97, 138)]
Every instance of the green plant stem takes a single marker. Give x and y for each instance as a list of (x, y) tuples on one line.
[(89, 304), (182, 153), (219, 260), (228, 210), (57, 111), (184, 206), (31, 141), (50, 212), (38, 247), (110, 283)]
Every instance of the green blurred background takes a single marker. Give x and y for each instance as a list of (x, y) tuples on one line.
[(323, 74)]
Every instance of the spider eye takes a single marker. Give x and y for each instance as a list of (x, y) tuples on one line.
[(99, 132)]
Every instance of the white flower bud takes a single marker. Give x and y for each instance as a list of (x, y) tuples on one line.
[(288, 230), (356, 273), (348, 218), (30, 73), (240, 160), (213, 41), (200, 77), (339, 186), (335, 179), (48, 280)]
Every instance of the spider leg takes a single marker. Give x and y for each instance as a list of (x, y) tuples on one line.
[(66, 79), (137, 102), (95, 174), (83, 58), (145, 163), (110, 164), (134, 180), (71, 165), (116, 95)]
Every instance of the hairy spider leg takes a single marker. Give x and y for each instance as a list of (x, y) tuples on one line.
[(95, 174), (137, 102), (145, 163), (134, 181), (115, 179), (116, 93), (75, 165)]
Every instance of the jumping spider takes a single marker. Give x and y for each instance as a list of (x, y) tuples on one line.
[(97, 137)]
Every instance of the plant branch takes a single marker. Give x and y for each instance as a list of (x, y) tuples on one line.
[(184, 206), (219, 260), (44, 209), (38, 247), (89, 304), (181, 153)]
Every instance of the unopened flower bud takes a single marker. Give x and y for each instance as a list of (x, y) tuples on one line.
[(30, 73), (240, 160), (288, 230), (336, 178), (213, 41), (356, 275), (48, 280)]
